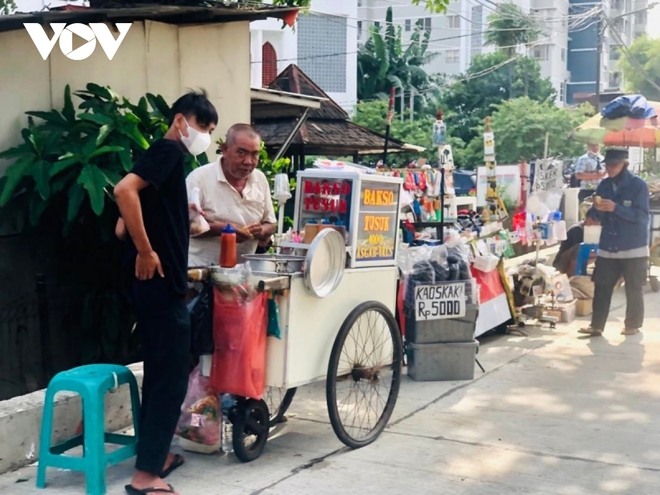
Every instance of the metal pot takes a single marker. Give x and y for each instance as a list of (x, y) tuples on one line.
[(275, 263)]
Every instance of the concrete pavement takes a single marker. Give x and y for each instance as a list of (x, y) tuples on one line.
[(553, 414)]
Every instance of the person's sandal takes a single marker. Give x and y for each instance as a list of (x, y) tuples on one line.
[(590, 331), (630, 331), (177, 462), (131, 490)]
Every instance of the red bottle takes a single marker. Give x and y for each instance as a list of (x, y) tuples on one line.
[(228, 247)]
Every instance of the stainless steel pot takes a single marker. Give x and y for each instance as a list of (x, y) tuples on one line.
[(275, 263)]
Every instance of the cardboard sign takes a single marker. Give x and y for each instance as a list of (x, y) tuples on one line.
[(441, 301)]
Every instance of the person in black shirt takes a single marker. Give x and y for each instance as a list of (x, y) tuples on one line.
[(153, 202), (568, 250)]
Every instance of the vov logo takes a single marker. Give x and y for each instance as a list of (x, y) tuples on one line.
[(91, 33)]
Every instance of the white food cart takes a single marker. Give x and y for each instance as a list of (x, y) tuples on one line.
[(336, 299)]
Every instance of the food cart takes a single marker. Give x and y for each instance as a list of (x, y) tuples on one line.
[(336, 297)]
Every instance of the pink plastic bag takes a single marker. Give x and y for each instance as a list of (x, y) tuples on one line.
[(239, 333), (201, 412)]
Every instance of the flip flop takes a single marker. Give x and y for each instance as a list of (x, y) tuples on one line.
[(131, 490), (177, 462)]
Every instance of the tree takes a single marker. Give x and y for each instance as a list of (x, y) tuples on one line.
[(7, 7), (383, 63), (641, 67), (486, 83), (508, 28), (372, 115), (520, 126)]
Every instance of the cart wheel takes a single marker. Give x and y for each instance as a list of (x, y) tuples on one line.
[(364, 374), (655, 284), (278, 401), (250, 429)]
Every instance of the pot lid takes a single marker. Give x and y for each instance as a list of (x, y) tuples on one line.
[(326, 260)]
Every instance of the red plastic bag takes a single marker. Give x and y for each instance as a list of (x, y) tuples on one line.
[(201, 412), (239, 333)]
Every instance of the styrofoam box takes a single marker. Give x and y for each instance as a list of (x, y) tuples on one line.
[(442, 362), (445, 330)]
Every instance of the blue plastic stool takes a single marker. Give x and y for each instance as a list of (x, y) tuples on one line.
[(92, 382), (584, 252)]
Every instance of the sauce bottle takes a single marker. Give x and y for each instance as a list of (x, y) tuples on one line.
[(228, 247)]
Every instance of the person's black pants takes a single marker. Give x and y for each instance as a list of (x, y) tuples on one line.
[(606, 274), (164, 329), (584, 194)]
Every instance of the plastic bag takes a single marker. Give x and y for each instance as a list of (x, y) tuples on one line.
[(201, 414), (198, 224), (239, 332), (201, 321), (273, 318)]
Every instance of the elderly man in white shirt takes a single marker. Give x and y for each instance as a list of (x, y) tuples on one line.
[(233, 191)]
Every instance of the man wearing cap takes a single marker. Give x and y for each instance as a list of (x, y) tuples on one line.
[(622, 203), (589, 171)]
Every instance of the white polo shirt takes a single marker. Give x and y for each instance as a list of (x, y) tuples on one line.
[(222, 203)]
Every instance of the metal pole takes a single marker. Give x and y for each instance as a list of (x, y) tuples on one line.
[(599, 54), (388, 124), (294, 132)]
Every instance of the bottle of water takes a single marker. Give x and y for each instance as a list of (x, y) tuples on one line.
[(227, 428)]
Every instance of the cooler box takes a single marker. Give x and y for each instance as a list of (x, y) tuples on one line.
[(442, 362)]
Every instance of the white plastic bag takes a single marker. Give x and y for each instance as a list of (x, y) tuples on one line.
[(201, 416), (198, 224)]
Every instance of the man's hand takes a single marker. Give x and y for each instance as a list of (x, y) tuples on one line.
[(196, 209), (257, 230), (146, 265), (606, 205)]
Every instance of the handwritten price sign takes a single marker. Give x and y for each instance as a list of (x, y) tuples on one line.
[(442, 301)]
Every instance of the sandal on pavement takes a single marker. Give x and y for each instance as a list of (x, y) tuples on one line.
[(590, 331), (177, 462), (131, 490), (630, 331)]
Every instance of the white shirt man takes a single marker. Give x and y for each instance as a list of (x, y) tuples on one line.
[(232, 191)]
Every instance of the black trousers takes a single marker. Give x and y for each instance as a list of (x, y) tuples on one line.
[(584, 194), (164, 328), (606, 274)]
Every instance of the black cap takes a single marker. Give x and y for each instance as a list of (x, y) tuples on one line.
[(616, 155)]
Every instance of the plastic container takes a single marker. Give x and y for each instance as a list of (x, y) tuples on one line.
[(442, 362), (444, 331), (592, 234), (228, 247)]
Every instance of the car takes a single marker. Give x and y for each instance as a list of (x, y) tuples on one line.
[(465, 183)]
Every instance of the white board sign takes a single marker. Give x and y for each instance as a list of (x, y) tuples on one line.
[(548, 175), (442, 301)]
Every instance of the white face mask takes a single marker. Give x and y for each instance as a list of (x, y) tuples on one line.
[(197, 142)]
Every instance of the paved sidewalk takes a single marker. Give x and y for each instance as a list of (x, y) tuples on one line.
[(553, 414)]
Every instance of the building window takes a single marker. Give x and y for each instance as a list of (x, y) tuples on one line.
[(541, 52), (268, 64), (615, 80), (563, 54), (427, 24), (453, 21), (617, 4), (359, 29), (408, 25), (615, 54), (359, 3), (452, 56), (325, 63), (640, 17), (476, 36), (377, 24), (562, 91)]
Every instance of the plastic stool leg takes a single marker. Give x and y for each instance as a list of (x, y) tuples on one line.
[(45, 438), (94, 444)]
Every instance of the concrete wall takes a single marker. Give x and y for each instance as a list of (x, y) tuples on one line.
[(154, 57)]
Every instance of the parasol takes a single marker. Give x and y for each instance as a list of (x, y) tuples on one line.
[(635, 124)]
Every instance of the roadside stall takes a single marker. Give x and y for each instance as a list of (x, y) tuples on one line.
[(331, 286)]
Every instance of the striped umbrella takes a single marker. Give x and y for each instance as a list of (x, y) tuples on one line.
[(624, 131)]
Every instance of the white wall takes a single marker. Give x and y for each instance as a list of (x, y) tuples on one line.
[(154, 57), (284, 42)]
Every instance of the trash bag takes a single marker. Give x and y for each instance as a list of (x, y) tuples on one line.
[(239, 358), (201, 321), (201, 415)]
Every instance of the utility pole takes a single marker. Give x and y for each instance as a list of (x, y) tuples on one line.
[(599, 55)]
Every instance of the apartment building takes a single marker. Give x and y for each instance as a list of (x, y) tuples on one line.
[(621, 23), (323, 44)]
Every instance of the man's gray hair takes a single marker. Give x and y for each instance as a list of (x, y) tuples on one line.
[(237, 129)]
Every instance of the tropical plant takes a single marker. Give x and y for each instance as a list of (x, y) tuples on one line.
[(7, 7), (59, 191), (641, 67), (384, 63)]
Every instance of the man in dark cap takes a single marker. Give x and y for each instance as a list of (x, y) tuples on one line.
[(622, 203)]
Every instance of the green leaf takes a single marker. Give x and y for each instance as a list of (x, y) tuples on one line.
[(15, 173), (37, 207), (64, 163), (41, 173), (130, 130), (96, 118), (125, 155), (18, 151), (104, 132), (94, 181), (76, 196), (159, 105), (53, 117), (103, 150), (68, 111)]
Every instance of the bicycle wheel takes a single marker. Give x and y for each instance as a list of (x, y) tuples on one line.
[(278, 401), (365, 367)]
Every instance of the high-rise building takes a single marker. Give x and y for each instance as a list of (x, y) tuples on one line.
[(621, 22)]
